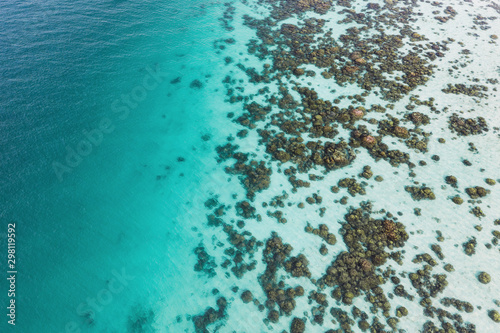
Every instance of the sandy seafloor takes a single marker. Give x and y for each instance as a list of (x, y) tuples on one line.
[(160, 254), (455, 222)]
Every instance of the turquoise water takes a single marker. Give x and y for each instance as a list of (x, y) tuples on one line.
[(112, 116), (63, 66)]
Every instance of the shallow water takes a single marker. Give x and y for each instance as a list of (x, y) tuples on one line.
[(111, 116)]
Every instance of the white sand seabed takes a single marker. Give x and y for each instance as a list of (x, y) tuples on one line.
[(454, 221)]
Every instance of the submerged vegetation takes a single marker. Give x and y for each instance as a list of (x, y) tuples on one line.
[(375, 53)]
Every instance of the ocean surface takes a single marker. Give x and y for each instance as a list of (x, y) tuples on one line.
[(112, 119), (122, 207)]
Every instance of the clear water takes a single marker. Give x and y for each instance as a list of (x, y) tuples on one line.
[(105, 239), (63, 66)]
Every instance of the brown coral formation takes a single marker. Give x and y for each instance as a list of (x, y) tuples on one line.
[(275, 257), (301, 134), (323, 232), (467, 126), (210, 316), (367, 239), (368, 141), (255, 175), (476, 192), (353, 187), (297, 266), (337, 155), (419, 193), (418, 118)]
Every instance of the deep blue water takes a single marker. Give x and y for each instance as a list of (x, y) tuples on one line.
[(64, 69)]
